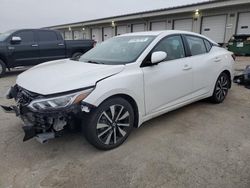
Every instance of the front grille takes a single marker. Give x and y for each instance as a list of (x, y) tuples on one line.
[(24, 97)]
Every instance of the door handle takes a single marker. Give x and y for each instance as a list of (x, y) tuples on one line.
[(34, 45), (217, 59), (61, 44), (187, 67)]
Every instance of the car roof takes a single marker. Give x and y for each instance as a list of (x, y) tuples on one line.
[(167, 32)]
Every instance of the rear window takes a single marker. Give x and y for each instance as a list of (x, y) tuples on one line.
[(208, 45), (196, 45), (45, 36)]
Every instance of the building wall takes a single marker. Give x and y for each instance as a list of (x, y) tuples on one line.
[(230, 29)]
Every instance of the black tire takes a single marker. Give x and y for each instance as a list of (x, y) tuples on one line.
[(221, 89), (107, 133), (2, 68), (76, 56)]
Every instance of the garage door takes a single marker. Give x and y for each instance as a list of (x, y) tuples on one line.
[(96, 35), (183, 25), (138, 27), (244, 23), (214, 27), (68, 35), (157, 26), (122, 29), (78, 35), (107, 33)]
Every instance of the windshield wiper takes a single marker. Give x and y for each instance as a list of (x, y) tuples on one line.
[(94, 62)]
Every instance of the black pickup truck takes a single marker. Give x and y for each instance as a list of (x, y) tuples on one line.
[(29, 47)]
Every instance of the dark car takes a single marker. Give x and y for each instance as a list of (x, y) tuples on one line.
[(33, 46), (240, 44)]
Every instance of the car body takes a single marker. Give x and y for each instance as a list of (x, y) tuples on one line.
[(27, 47), (122, 83)]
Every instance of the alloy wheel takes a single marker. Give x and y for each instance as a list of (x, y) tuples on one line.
[(113, 124), (221, 88)]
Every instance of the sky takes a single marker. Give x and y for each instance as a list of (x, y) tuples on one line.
[(17, 14)]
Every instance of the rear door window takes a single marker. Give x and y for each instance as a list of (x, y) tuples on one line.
[(208, 45), (26, 36), (196, 45), (47, 36)]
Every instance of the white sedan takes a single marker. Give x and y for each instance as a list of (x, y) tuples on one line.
[(120, 84)]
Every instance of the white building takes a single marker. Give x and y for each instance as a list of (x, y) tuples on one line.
[(218, 19)]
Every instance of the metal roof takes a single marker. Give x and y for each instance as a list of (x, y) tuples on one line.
[(205, 2)]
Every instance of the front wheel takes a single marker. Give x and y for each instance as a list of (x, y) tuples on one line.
[(110, 124), (2, 68), (76, 56), (221, 88)]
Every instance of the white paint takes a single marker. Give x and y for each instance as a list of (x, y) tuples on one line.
[(68, 35), (138, 27), (121, 29), (183, 25), (158, 26), (214, 27), (244, 23), (107, 33), (156, 89), (78, 35), (96, 34), (61, 76)]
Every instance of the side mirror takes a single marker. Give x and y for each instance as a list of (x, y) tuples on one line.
[(16, 40), (158, 57)]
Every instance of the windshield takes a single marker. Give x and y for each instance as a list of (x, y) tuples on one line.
[(3, 36), (118, 50)]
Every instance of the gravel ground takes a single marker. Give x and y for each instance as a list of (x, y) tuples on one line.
[(200, 145)]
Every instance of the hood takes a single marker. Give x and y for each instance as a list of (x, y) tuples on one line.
[(64, 75)]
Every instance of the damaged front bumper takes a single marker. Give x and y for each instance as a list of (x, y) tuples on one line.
[(44, 125)]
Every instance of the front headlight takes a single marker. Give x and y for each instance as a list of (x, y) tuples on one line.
[(59, 102)]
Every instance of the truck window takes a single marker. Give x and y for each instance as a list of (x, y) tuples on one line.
[(26, 36), (45, 36)]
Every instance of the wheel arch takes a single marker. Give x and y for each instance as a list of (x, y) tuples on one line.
[(227, 72), (4, 60), (131, 101), (77, 51)]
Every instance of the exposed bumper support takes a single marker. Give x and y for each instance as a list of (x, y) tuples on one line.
[(29, 132), (44, 125), (44, 137), (11, 109)]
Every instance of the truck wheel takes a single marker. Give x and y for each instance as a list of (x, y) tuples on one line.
[(76, 56), (2, 68), (110, 124)]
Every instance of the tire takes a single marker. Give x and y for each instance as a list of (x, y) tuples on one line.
[(2, 68), (221, 89), (76, 56), (110, 124)]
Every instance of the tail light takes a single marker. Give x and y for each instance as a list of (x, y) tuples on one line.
[(234, 57)]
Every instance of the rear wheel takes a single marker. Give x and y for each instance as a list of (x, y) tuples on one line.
[(110, 124), (221, 88), (2, 68)]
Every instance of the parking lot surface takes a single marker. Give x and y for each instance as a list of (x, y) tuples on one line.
[(200, 145)]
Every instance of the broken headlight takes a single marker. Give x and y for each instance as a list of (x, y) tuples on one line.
[(59, 102)]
